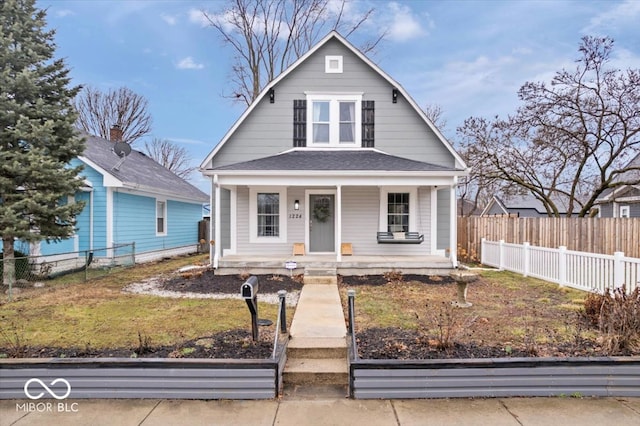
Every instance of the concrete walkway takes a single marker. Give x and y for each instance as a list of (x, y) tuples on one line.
[(319, 313), (321, 412)]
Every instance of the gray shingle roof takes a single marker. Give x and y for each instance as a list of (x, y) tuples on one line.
[(334, 160), (528, 201), (138, 170)]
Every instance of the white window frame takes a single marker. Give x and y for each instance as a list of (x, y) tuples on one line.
[(164, 217), (334, 100), (413, 206), (327, 64), (625, 211), (253, 214)]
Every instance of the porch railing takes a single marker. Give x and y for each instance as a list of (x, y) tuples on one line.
[(580, 270)]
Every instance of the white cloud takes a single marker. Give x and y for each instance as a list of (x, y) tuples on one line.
[(627, 12), (64, 12), (169, 19), (189, 64), (197, 17), (404, 24)]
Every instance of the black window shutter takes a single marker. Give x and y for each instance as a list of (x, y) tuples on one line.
[(368, 122), (299, 122)]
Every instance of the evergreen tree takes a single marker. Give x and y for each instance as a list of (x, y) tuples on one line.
[(37, 136)]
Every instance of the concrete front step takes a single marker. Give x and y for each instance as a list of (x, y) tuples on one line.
[(306, 371), (320, 280), (320, 275), (317, 347)]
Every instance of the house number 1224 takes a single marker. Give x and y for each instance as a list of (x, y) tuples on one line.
[(295, 215)]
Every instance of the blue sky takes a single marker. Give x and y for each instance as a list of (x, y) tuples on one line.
[(468, 57)]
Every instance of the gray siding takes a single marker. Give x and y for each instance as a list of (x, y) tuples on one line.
[(444, 219), (360, 218), (494, 209), (495, 378), (606, 210), (268, 129)]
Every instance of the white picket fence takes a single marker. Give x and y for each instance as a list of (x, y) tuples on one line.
[(581, 270)]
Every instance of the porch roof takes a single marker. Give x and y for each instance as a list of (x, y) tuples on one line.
[(336, 160)]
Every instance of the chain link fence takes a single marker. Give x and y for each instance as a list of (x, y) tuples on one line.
[(80, 265)]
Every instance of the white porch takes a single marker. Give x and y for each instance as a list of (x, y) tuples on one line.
[(348, 265)]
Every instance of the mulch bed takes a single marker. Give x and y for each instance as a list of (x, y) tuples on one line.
[(206, 281), (232, 344)]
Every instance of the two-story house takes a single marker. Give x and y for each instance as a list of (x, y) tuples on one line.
[(335, 162)]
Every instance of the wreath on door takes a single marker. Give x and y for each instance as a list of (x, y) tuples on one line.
[(322, 210)]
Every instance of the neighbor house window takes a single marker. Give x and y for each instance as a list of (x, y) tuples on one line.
[(268, 214), (268, 218), (334, 120), (161, 215), (625, 211), (398, 212)]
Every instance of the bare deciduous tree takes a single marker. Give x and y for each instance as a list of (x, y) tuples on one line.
[(170, 155), (571, 140), (98, 111), (268, 35), (435, 113)]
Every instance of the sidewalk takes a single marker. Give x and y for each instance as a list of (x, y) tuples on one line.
[(295, 412)]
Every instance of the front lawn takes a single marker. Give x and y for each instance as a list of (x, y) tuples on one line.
[(91, 317), (510, 316)]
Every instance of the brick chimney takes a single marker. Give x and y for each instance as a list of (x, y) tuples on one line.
[(115, 133)]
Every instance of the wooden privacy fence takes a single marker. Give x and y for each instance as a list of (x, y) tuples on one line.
[(593, 235)]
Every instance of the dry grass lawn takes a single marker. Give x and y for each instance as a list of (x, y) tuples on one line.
[(97, 314)]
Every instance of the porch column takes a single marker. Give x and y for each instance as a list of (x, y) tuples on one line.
[(433, 237), (453, 238), (339, 223), (217, 239)]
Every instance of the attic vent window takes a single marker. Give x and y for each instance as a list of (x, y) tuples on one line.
[(333, 64)]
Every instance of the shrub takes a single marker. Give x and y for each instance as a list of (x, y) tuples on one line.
[(393, 276), (617, 316)]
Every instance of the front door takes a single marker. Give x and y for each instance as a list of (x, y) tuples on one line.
[(321, 223)]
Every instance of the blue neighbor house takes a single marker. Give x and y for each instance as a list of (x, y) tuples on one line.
[(129, 198)]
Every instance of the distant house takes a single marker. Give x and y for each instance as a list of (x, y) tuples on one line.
[(468, 208), (520, 206), (332, 161), (623, 201), (129, 199)]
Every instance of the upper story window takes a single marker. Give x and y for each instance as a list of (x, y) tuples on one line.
[(333, 64), (334, 119)]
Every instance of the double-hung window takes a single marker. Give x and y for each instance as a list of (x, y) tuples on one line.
[(267, 210), (398, 209), (161, 215), (398, 212), (268, 214), (334, 120)]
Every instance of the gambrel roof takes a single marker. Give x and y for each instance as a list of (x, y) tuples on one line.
[(459, 162)]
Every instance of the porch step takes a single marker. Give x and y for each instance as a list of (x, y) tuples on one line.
[(313, 371), (320, 275), (317, 348)]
